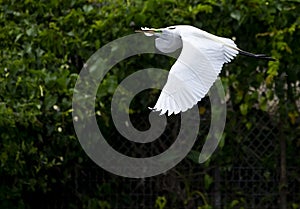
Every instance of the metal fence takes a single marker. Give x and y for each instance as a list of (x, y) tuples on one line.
[(252, 178)]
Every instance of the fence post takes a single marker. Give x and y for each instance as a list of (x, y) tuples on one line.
[(283, 179)]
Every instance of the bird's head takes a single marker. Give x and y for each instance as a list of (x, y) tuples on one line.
[(167, 39)]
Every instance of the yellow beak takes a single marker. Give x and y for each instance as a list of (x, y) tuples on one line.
[(146, 31)]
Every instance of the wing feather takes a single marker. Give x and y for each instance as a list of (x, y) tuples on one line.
[(194, 72)]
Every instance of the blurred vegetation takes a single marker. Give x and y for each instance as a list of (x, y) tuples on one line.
[(45, 43)]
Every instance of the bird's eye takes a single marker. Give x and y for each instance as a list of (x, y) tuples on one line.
[(171, 28)]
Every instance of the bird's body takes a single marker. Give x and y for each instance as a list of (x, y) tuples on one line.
[(197, 67)]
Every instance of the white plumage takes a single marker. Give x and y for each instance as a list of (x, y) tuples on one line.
[(197, 66)]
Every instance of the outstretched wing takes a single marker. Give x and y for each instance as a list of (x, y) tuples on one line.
[(194, 72)]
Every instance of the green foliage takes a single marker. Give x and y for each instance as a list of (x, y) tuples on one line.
[(160, 202), (45, 43)]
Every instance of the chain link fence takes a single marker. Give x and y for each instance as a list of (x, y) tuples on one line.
[(251, 178)]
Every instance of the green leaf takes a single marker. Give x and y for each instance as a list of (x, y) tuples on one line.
[(208, 180), (244, 108)]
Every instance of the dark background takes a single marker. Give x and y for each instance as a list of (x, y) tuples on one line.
[(43, 47)]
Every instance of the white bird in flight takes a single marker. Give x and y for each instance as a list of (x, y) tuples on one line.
[(197, 67)]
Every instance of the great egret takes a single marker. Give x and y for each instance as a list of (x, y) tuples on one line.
[(197, 67)]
